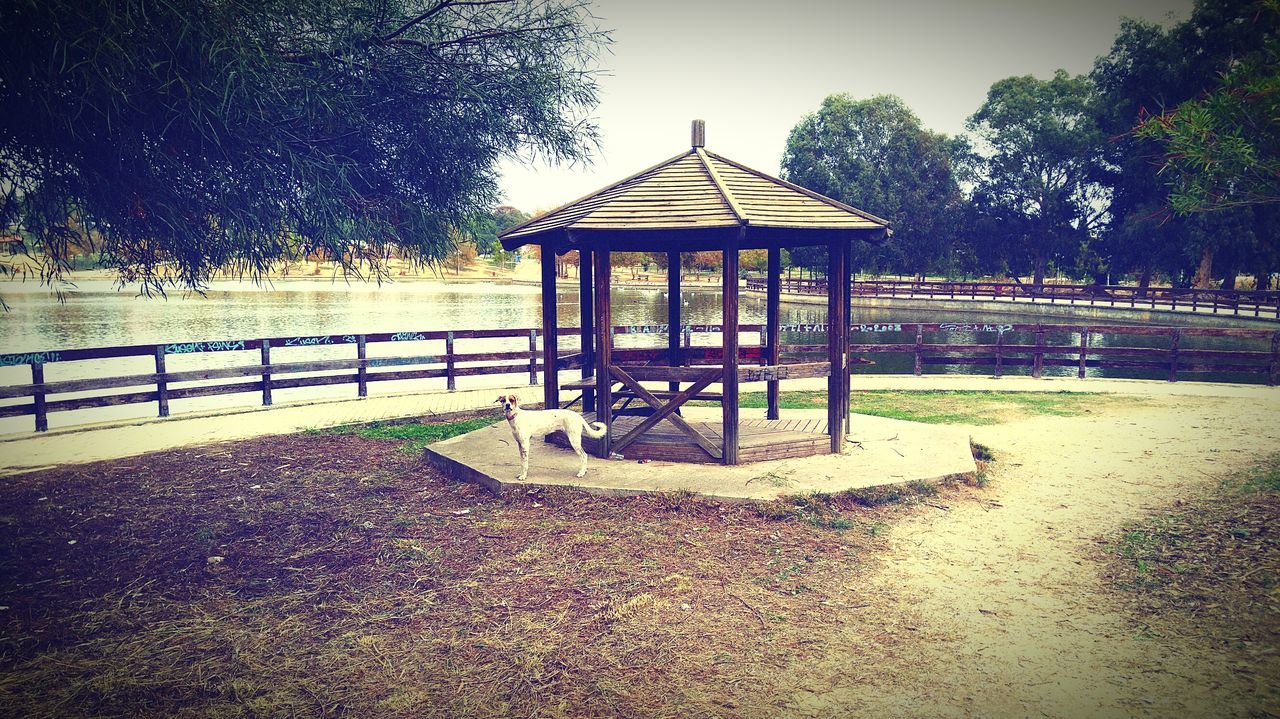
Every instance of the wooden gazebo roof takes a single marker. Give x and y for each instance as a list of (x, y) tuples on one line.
[(700, 194)]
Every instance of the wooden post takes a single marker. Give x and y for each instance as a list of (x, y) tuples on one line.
[(674, 321), (837, 341), (729, 343), (919, 347), (42, 416), (999, 353), (1275, 360), (362, 370), (266, 373), (162, 384), (846, 291), (586, 311), (533, 359), (550, 342), (604, 346), (1084, 347), (773, 310), (450, 368), (1175, 339), (1037, 360)]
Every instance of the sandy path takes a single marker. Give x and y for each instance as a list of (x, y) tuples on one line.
[(997, 607)]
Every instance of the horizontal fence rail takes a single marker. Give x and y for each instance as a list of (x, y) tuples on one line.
[(963, 346), (1263, 304)]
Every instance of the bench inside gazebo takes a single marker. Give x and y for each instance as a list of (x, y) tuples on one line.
[(696, 201)]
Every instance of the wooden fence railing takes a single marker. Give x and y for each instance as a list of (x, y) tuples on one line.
[(1263, 304), (983, 345)]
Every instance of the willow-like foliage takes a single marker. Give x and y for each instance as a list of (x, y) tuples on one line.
[(179, 138)]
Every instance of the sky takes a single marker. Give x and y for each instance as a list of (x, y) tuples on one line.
[(751, 69)]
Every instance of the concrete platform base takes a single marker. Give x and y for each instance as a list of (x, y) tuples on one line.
[(878, 452)]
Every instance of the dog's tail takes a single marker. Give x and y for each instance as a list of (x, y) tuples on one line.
[(594, 430)]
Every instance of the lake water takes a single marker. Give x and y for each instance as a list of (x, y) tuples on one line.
[(97, 315)]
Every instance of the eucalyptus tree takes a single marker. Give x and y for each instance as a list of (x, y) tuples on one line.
[(876, 155), (1201, 94), (183, 137), (1038, 147), (1222, 147)]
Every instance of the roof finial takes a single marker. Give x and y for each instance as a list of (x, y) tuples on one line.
[(699, 133)]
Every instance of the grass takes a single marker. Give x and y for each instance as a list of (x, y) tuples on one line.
[(416, 435), (971, 407), (332, 574)]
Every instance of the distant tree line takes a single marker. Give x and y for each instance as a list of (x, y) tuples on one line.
[(1163, 162)]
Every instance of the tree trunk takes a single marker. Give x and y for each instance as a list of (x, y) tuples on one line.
[(1204, 273), (1144, 281), (1037, 280)]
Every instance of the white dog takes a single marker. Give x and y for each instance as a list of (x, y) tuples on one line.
[(527, 423)]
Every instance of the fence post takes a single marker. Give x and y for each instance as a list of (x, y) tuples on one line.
[(362, 367), (533, 358), (1037, 360), (451, 382), (42, 417), (688, 342), (999, 353), (1084, 347), (1174, 341), (1275, 360), (162, 384), (266, 373), (919, 346)]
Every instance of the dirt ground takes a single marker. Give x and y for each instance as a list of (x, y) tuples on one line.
[(1004, 601), (316, 575)]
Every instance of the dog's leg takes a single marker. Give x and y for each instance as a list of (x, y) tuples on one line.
[(575, 441), (524, 460)]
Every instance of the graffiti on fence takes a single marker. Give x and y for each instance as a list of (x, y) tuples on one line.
[(663, 328), (878, 327), (408, 337), (644, 329), (763, 374), (308, 341), (28, 358), (182, 348), (801, 327), (973, 327)]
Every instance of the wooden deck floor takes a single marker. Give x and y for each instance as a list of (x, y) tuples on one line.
[(758, 439)]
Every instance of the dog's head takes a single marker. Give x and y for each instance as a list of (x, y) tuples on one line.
[(510, 403)]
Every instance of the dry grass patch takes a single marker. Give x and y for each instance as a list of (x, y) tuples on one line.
[(332, 575), (1210, 568)]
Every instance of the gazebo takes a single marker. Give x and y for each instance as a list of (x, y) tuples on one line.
[(696, 201)]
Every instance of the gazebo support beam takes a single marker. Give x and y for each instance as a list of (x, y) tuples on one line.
[(847, 290), (837, 340), (729, 335), (550, 342), (601, 267), (586, 312), (773, 306), (674, 322)]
